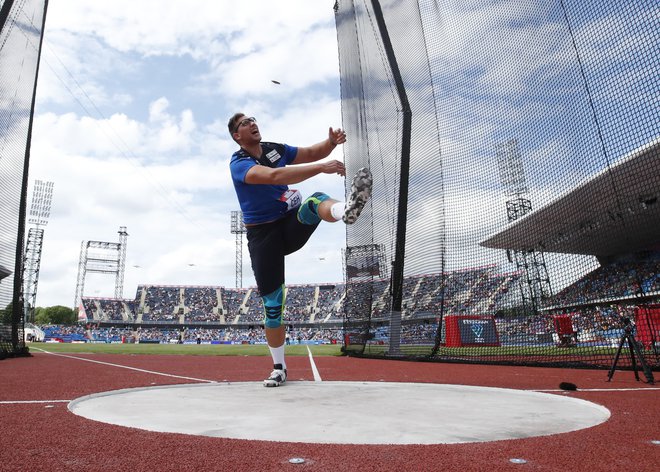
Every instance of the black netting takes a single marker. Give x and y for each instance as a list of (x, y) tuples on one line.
[(515, 152), (21, 25)]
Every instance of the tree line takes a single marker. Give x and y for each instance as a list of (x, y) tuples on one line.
[(58, 314)]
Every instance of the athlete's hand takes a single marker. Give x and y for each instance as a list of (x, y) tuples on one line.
[(336, 136), (333, 167)]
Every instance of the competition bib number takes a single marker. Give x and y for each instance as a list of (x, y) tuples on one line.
[(292, 198)]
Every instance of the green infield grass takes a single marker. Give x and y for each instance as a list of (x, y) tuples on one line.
[(184, 349)]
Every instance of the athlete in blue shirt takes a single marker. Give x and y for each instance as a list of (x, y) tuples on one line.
[(277, 220)]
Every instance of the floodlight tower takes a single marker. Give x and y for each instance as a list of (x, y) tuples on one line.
[(535, 283), (119, 280), (42, 197), (104, 258), (238, 228)]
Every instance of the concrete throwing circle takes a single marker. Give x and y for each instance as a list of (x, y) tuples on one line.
[(343, 412)]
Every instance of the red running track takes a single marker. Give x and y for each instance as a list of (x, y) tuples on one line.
[(44, 435)]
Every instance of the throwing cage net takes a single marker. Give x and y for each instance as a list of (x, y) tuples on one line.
[(21, 27), (515, 153)]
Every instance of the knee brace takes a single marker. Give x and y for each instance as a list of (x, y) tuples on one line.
[(273, 308), (308, 213)]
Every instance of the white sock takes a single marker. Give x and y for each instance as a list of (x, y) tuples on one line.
[(337, 210), (277, 353)]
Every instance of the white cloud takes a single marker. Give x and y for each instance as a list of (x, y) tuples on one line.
[(152, 27)]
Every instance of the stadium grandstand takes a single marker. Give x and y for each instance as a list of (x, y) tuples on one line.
[(313, 304), (213, 313)]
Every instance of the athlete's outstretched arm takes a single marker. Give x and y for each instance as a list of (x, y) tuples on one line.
[(320, 150), (292, 174)]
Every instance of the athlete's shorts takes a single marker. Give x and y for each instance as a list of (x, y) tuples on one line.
[(268, 243)]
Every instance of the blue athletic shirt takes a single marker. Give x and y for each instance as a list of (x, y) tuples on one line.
[(260, 203)]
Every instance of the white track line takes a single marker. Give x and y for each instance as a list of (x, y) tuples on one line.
[(315, 371), (126, 367), (21, 402)]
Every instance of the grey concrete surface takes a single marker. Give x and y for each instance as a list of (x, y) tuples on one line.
[(343, 412)]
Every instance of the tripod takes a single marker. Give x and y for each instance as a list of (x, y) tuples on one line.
[(633, 348)]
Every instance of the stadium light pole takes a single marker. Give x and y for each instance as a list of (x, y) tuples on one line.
[(238, 228), (535, 283), (42, 197)]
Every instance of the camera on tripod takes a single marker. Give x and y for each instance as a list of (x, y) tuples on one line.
[(634, 350), (628, 325)]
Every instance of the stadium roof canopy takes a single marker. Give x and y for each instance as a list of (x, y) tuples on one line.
[(592, 218)]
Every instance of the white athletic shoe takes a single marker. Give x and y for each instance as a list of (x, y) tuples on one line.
[(360, 193), (277, 377)]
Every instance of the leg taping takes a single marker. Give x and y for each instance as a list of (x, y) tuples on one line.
[(308, 213), (273, 307)]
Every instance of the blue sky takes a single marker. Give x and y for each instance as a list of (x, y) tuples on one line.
[(130, 123)]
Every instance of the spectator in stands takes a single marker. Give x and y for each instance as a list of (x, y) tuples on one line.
[(278, 222)]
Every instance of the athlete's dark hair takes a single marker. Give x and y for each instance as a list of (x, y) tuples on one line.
[(233, 121)]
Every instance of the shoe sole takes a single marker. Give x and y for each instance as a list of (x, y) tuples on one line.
[(360, 193), (272, 383)]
